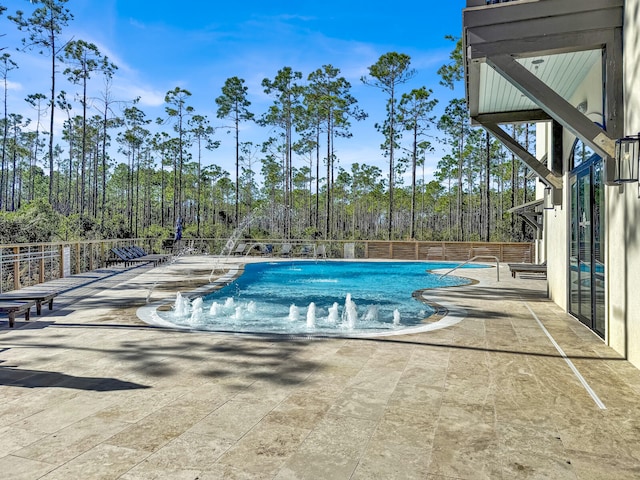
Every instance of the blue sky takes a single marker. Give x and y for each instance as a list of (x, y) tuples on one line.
[(196, 45)]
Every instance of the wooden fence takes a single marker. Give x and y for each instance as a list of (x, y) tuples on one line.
[(455, 251)]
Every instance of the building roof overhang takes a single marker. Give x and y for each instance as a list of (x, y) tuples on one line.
[(533, 206), (524, 60)]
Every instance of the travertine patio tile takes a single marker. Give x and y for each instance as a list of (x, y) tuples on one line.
[(534, 465), (61, 415), (71, 441), (360, 403), (338, 436), (265, 449), (142, 472), (381, 380), (400, 426), (385, 460), (18, 468), (594, 466), (13, 439), (189, 451), (469, 460), (417, 397), (157, 429), (489, 397), (134, 405), (226, 472), (315, 465), (103, 462), (35, 402), (300, 410), (232, 420), (428, 376)]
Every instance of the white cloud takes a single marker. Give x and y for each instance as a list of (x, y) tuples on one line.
[(14, 86), (137, 24), (149, 97)]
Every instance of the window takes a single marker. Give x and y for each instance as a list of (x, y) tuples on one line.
[(580, 154)]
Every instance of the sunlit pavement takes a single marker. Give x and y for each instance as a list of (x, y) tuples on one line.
[(517, 389)]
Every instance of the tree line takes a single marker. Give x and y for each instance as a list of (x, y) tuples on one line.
[(115, 173)]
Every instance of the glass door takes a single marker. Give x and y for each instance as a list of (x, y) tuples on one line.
[(586, 262)]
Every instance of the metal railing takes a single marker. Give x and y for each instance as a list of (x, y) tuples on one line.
[(477, 257), (26, 264)]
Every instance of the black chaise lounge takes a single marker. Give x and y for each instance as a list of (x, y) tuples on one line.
[(130, 257), (127, 258), (240, 249), (528, 268), (285, 251), (139, 252)]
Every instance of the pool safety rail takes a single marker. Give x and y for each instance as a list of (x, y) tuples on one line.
[(477, 257)]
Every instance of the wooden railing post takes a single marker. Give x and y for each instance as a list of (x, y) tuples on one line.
[(78, 263), (61, 261), (41, 276), (16, 268)]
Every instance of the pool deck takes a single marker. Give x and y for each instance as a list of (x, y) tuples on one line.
[(89, 391)]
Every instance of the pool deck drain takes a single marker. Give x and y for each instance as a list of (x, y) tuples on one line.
[(89, 391)]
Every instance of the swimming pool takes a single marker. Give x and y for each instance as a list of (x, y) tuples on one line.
[(303, 297)]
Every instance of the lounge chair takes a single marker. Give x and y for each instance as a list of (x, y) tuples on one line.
[(321, 251), (285, 251), (167, 244), (267, 250), (240, 249), (159, 257), (129, 259), (528, 268), (306, 250)]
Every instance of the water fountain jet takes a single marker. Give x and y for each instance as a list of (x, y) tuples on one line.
[(294, 313), (311, 315), (333, 313), (396, 317)]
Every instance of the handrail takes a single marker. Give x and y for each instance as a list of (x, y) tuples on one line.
[(475, 258)]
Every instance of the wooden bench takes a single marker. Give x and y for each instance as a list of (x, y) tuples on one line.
[(38, 297), (527, 268), (13, 308)]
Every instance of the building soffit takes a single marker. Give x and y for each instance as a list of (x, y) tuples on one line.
[(500, 45), (554, 104)]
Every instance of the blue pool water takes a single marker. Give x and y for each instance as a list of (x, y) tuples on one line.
[(315, 297)]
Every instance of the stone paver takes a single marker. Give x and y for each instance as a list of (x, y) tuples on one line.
[(89, 391)]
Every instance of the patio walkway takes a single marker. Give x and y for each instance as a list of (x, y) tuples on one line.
[(90, 392)]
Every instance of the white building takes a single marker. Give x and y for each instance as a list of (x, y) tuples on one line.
[(572, 66)]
